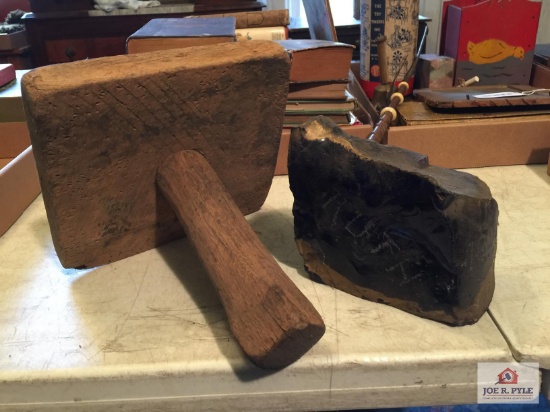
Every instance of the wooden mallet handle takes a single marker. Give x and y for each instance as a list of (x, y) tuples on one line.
[(274, 323)]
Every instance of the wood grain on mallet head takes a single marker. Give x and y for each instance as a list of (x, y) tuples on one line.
[(100, 128)]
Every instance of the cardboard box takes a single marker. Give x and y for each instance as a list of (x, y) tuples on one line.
[(16, 40), (19, 186), (19, 183), (11, 103), (461, 145)]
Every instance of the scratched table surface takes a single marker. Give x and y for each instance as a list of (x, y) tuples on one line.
[(148, 333), (521, 304)]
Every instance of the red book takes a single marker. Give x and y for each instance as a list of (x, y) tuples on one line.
[(7, 74)]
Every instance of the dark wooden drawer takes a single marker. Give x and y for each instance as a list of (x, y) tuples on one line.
[(66, 50), (63, 36), (45, 6)]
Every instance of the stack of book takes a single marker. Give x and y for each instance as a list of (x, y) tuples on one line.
[(174, 33), (200, 30), (255, 25), (259, 25), (319, 75)]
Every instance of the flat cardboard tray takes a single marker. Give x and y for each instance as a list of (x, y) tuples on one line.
[(19, 183), (11, 41), (500, 142), (19, 186)]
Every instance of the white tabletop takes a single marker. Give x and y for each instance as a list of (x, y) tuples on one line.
[(521, 304), (149, 332)]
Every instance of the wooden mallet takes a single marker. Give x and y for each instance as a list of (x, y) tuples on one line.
[(128, 147)]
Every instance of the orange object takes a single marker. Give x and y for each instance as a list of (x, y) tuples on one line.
[(492, 51)]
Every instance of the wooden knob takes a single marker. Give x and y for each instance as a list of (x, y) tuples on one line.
[(70, 53)]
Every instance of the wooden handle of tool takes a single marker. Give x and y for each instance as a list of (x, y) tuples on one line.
[(382, 58), (388, 114), (274, 323)]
